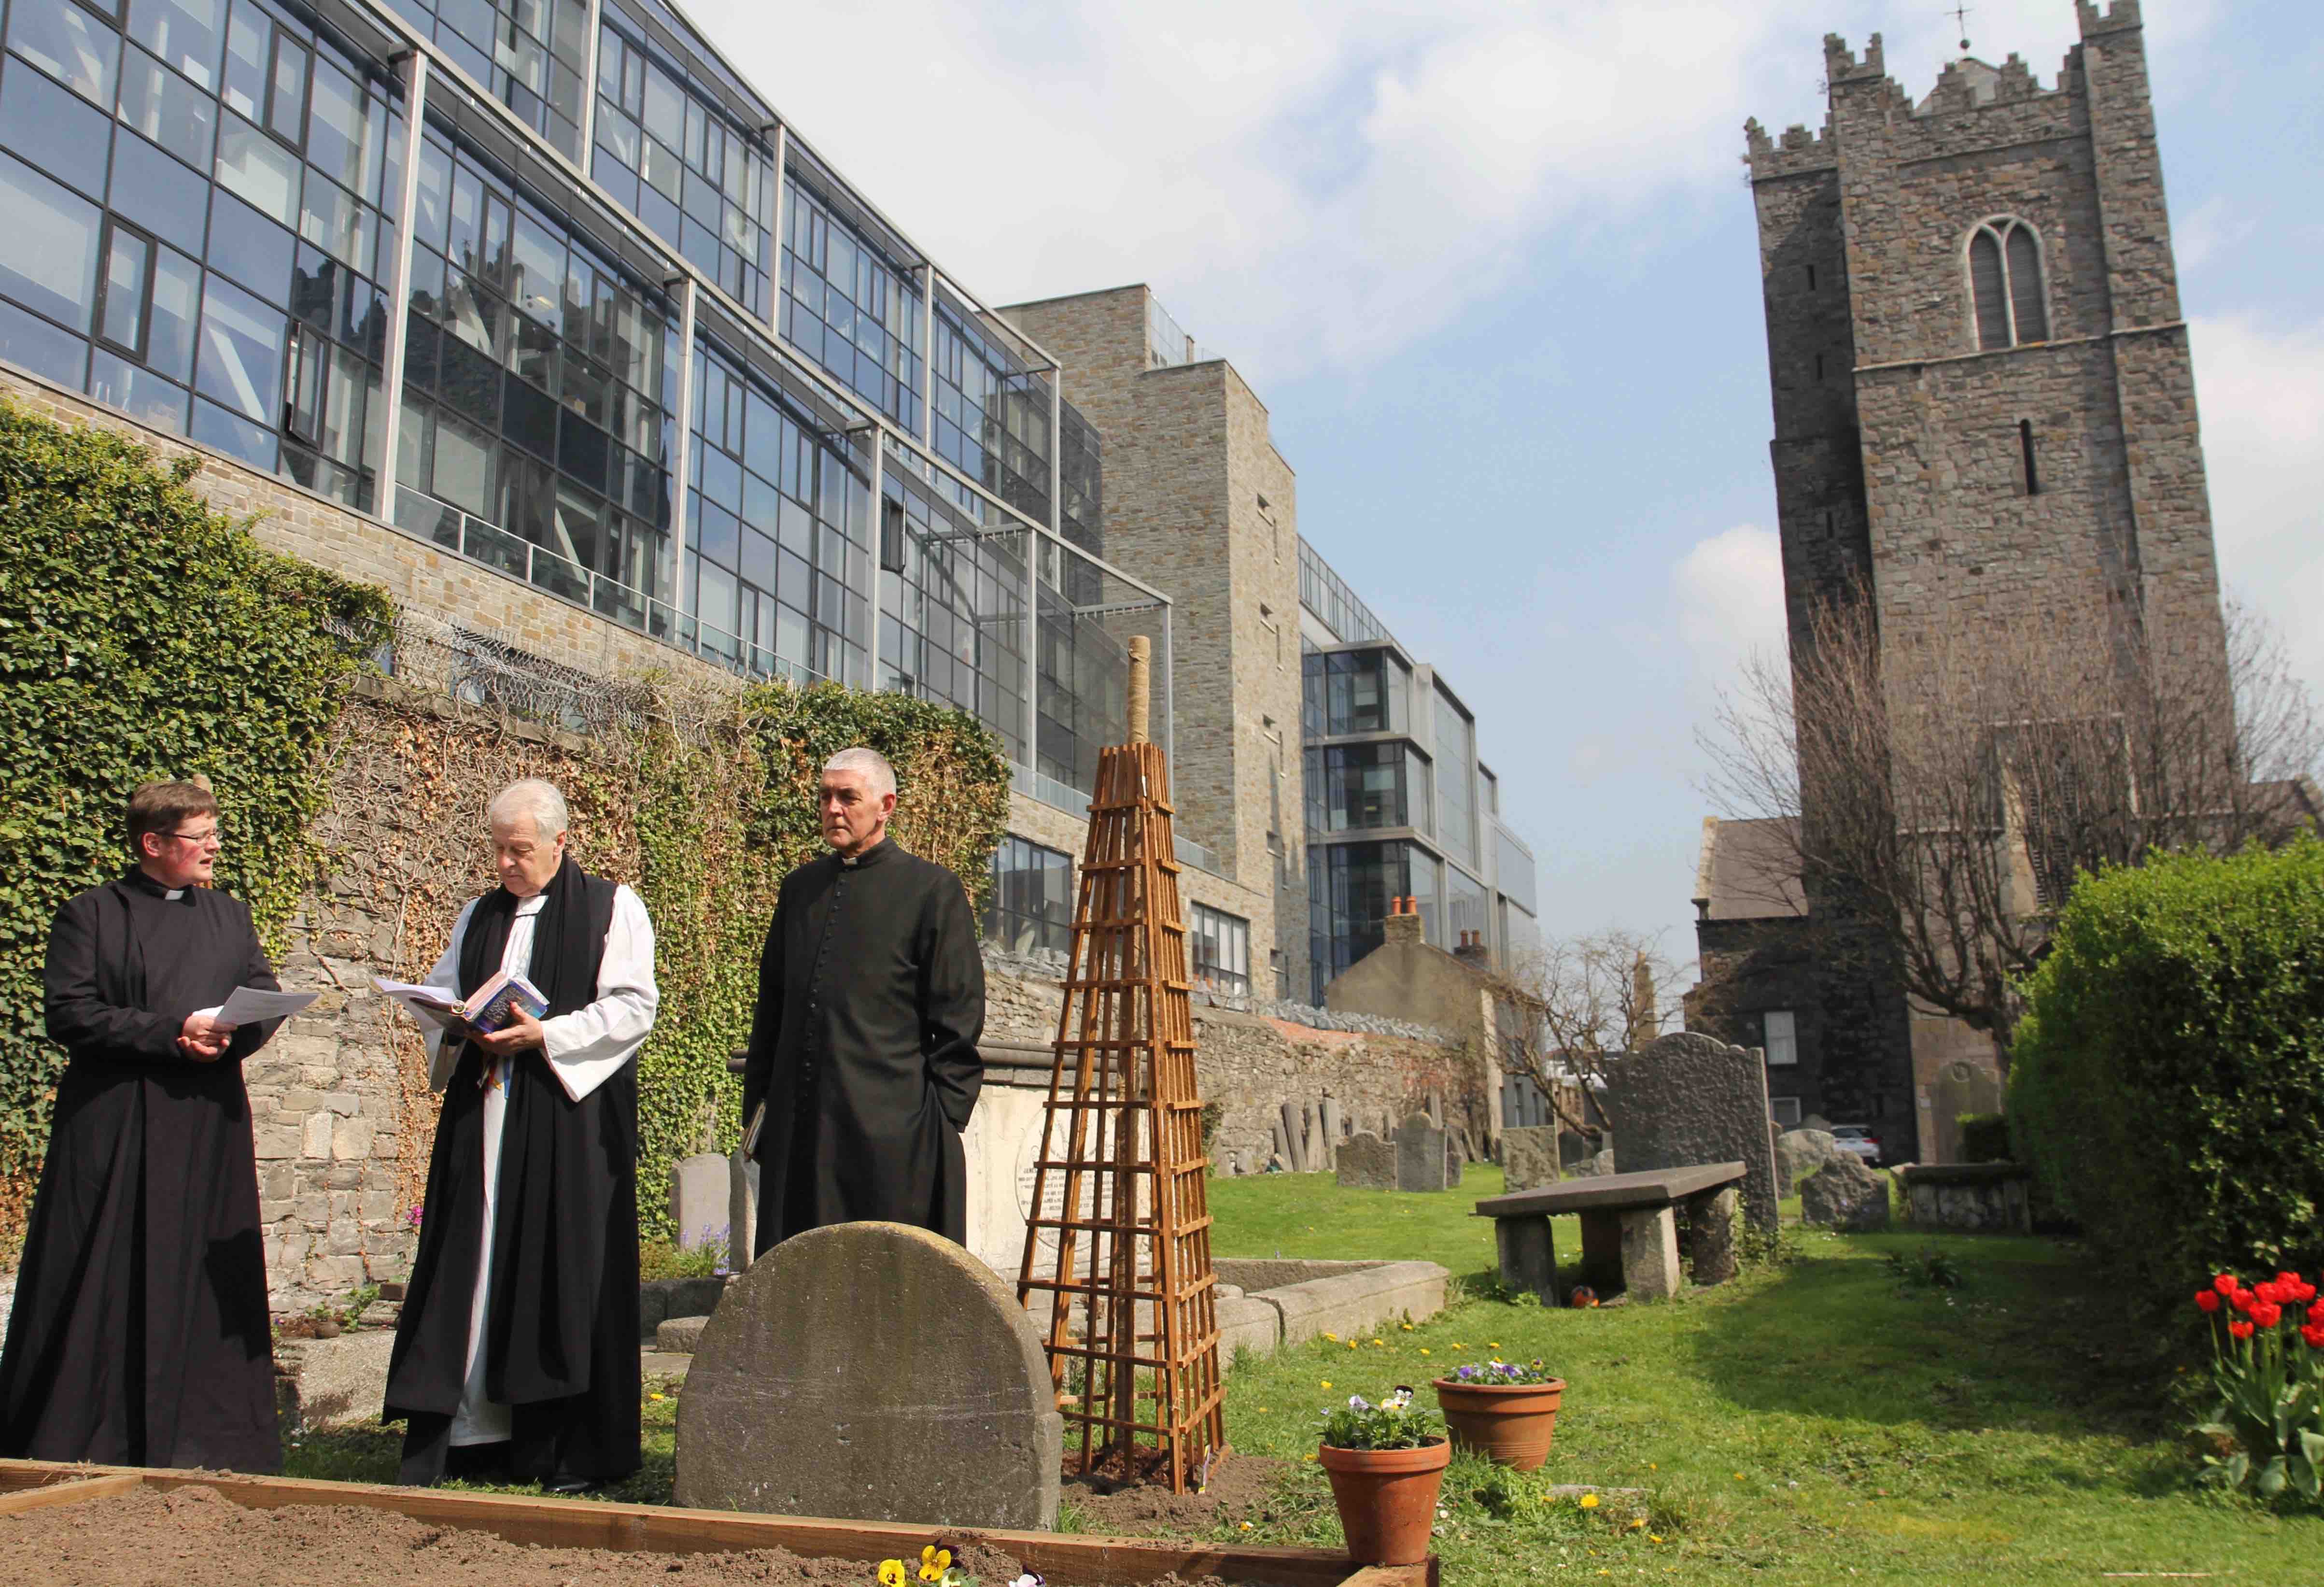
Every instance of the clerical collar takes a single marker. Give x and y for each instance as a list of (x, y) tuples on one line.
[(139, 879), (877, 852)]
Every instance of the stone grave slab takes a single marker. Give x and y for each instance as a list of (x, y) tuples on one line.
[(1366, 1162), (1846, 1195), (1688, 1098), (1420, 1148), (877, 1372), (699, 1199), (1530, 1156)]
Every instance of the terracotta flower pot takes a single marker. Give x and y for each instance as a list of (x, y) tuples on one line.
[(1511, 1423), (1387, 1499)]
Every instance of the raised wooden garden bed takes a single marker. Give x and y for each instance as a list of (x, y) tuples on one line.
[(1065, 1560)]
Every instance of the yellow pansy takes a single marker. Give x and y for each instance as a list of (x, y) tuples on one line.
[(892, 1572), (933, 1563)]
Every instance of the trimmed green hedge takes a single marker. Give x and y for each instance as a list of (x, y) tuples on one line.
[(2166, 1079), (1984, 1137), (142, 636)]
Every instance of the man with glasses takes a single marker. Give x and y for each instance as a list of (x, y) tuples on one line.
[(140, 1335)]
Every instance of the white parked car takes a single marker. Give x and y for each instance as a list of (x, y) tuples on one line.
[(1858, 1141)]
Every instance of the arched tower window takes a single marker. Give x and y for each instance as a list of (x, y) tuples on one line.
[(2004, 275)]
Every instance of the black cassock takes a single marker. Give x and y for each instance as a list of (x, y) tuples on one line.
[(863, 1047), (561, 1337), (141, 1335)]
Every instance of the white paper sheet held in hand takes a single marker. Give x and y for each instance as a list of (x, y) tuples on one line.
[(432, 1006), (249, 1005)]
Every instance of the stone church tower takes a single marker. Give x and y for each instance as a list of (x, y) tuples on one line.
[(1983, 409)]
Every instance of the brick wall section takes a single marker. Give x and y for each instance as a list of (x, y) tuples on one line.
[(1187, 460), (1899, 467)]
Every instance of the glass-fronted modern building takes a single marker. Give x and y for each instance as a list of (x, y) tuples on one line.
[(549, 284), (1398, 806)]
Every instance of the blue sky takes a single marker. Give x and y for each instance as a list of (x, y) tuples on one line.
[(1493, 269)]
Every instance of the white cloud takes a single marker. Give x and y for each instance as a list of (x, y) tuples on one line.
[(2211, 229), (1728, 597), (2261, 391), (1308, 183)]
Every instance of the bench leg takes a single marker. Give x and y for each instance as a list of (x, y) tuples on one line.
[(1601, 1251), (1528, 1256), (1650, 1253), (1710, 1236)]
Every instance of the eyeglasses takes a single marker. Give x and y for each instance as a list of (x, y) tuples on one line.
[(216, 835)]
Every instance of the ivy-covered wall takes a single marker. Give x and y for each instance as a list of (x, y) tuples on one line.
[(142, 636)]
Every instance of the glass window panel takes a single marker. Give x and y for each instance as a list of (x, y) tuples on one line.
[(540, 268), (344, 423), (305, 384), (256, 169), (236, 436), (137, 391), (249, 247), (128, 268), (2025, 303), (664, 108), (462, 459), (187, 34), (32, 342), (166, 108), (54, 129), (340, 131), (1990, 289), (286, 110), (69, 44), (242, 346), (435, 186), (157, 193), (1783, 1037), (331, 218), (175, 311), (248, 37), (47, 249), (713, 597)]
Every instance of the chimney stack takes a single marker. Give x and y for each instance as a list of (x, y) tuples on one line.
[(1403, 921), (1472, 951)]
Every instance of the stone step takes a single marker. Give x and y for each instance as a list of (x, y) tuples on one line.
[(679, 1335)]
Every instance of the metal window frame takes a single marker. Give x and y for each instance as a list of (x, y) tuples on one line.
[(112, 225)]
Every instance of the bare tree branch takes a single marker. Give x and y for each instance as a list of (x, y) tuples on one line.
[(1574, 1002)]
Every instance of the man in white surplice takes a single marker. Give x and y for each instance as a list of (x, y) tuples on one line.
[(516, 1351)]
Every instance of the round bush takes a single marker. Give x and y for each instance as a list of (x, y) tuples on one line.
[(2165, 1079)]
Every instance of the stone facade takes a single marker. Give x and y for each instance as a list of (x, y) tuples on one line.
[(1902, 445), (1200, 503)]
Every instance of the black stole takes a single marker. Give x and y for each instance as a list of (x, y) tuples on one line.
[(567, 1189)]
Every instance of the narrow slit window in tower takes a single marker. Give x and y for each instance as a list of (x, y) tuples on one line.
[(2026, 445)]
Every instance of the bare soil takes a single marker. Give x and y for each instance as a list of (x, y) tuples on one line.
[(1238, 1489), (195, 1537)]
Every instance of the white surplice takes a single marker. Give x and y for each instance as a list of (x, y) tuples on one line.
[(585, 1048)]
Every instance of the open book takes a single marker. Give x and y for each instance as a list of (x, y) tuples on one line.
[(490, 1009)]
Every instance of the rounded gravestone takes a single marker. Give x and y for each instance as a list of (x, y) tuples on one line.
[(872, 1371)]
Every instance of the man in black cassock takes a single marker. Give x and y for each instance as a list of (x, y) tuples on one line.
[(140, 1335), (516, 1354), (863, 1046)]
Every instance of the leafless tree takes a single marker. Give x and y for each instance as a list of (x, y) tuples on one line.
[(1567, 1007), (1950, 783)]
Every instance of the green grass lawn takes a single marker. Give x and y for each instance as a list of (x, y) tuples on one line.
[(1815, 1421)]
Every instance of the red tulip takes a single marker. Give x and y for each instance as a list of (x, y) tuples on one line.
[(2206, 1300), (2266, 1293), (2266, 1315), (2314, 1334), (2240, 1330)]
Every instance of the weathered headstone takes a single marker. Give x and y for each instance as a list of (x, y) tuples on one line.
[(1530, 1156), (1453, 1160), (1687, 1099), (1333, 1133), (877, 1372), (699, 1195), (1316, 1152), (742, 1209), (1845, 1195), (1366, 1162), (1419, 1154), (1295, 1141), (1800, 1153)]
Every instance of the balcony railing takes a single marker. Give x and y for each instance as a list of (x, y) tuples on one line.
[(480, 541)]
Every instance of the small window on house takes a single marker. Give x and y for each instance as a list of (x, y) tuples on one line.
[(2006, 286), (1785, 1111), (1783, 1037)]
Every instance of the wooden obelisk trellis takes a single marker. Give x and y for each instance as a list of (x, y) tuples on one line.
[(1118, 1191)]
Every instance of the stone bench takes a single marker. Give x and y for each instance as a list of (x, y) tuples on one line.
[(1630, 1231)]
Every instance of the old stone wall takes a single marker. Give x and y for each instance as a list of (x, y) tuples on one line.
[(1250, 1064)]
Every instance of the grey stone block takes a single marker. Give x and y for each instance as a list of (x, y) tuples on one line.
[(1845, 1195), (1530, 1156), (1366, 1162), (679, 1335)]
